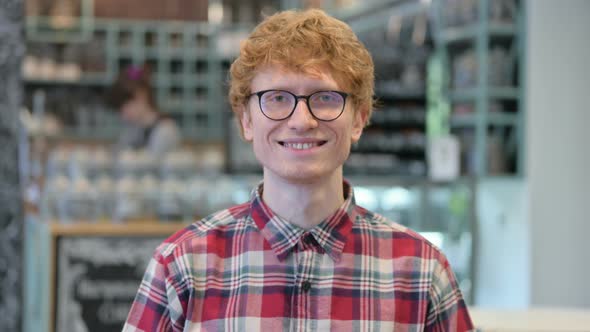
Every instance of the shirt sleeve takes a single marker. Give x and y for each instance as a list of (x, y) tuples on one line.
[(157, 305), (447, 310)]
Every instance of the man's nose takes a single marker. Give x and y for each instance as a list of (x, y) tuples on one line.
[(302, 119)]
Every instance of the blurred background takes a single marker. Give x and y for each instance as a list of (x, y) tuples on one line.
[(479, 143)]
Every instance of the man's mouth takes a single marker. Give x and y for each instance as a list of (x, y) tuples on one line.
[(301, 146)]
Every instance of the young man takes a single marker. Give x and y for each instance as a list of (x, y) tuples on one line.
[(300, 255)]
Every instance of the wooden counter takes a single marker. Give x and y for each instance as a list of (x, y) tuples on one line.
[(531, 320)]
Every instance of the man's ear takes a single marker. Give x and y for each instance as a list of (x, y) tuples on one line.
[(246, 122), (360, 118)]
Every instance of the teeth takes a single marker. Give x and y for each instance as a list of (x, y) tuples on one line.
[(300, 146)]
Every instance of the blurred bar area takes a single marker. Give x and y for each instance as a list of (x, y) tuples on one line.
[(478, 144)]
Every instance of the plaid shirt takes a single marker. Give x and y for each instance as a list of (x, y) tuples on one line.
[(246, 269)]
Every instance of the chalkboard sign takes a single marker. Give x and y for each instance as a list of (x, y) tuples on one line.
[(97, 279)]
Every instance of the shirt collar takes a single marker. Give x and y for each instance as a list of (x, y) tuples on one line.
[(331, 234)]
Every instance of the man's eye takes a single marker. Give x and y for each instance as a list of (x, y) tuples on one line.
[(276, 98), (324, 98)]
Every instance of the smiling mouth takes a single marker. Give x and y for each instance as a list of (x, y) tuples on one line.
[(302, 146)]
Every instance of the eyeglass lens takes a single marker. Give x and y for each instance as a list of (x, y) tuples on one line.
[(325, 105)]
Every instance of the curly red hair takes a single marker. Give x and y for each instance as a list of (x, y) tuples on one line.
[(303, 41)]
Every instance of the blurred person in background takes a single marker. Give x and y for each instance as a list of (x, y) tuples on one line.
[(144, 127), (300, 255)]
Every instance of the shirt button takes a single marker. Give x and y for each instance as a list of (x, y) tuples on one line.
[(306, 286)]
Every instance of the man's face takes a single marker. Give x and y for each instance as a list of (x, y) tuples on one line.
[(300, 149)]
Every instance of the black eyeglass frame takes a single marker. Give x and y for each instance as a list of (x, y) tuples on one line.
[(344, 95)]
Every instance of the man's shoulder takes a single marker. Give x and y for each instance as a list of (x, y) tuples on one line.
[(196, 236), (385, 228), (380, 223)]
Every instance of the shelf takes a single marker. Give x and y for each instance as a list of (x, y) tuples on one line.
[(470, 120), (390, 180), (502, 30), (397, 124), (398, 118), (366, 15), (125, 52), (84, 81), (172, 53), (136, 228), (406, 152), (408, 95), (467, 33), (193, 81), (395, 89), (107, 133), (494, 103), (471, 94)]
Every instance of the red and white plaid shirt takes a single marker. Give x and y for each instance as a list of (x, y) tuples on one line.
[(246, 269)]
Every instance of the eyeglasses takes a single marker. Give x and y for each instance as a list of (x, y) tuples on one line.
[(323, 105)]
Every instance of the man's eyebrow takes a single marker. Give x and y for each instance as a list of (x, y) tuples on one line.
[(306, 90)]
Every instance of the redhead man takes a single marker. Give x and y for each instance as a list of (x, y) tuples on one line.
[(300, 255)]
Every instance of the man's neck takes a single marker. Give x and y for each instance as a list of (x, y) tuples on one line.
[(303, 204)]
